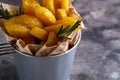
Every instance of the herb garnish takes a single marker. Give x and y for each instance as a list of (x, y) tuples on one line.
[(5, 14), (63, 33)]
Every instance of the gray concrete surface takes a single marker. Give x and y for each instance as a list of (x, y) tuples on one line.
[(98, 54)]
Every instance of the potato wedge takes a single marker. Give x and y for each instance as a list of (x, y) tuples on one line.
[(61, 13), (29, 6), (39, 33), (66, 21), (65, 5), (52, 39), (57, 4), (16, 30), (27, 20), (53, 28), (45, 15), (32, 7), (49, 4)]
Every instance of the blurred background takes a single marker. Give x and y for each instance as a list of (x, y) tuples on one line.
[(98, 53)]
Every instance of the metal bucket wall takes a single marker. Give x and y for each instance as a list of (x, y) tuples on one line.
[(56, 67)]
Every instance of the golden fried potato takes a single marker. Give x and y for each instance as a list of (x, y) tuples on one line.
[(53, 28), (61, 13), (27, 20), (45, 15), (52, 39), (57, 4), (66, 21), (29, 6), (39, 33), (49, 4), (32, 7), (65, 5), (16, 30)]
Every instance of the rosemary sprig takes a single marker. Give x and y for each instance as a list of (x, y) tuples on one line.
[(5, 14), (63, 33), (17, 13)]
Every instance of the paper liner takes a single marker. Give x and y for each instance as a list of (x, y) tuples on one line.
[(42, 49)]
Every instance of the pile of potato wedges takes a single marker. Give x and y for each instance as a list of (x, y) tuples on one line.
[(40, 21)]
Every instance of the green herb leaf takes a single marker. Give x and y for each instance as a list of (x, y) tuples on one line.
[(4, 13), (63, 33)]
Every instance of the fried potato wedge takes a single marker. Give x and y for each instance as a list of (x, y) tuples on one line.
[(52, 39), (53, 28), (32, 7), (62, 4), (66, 21), (27, 20), (61, 13), (29, 6), (16, 30), (45, 15), (39, 33), (49, 4), (57, 4), (65, 5)]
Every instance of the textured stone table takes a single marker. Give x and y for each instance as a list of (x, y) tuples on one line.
[(98, 54)]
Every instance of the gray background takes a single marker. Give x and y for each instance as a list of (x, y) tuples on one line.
[(98, 54)]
